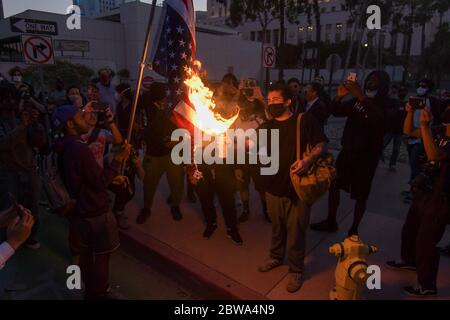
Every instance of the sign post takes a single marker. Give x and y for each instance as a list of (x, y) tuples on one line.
[(269, 61), (32, 26), (37, 50)]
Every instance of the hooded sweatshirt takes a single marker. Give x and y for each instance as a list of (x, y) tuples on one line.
[(365, 126), (85, 180)]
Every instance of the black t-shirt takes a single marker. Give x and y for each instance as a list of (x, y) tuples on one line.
[(311, 133), (158, 132)]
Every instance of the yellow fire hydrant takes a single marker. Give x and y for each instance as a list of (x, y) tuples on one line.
[(351, 269)]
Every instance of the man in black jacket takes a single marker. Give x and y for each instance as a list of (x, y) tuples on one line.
[(362, 144), (93, 227), (315, 105)]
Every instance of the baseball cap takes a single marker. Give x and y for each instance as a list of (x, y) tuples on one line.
[(63, 114)]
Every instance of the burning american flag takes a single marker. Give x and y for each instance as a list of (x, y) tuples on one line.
[(190, 103)]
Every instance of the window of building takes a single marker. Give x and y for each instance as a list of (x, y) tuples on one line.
[(220, 12), (260, 36), (268, 36), (333, 9), (323, 10), (253, 35), (328, 28)]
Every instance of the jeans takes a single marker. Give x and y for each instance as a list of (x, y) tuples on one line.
[(397, 137), (414, 151)]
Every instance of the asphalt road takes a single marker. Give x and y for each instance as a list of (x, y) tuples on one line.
[(41, 274)]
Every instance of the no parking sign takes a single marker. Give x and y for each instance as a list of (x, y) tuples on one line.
[(269, 57), (37, 49)]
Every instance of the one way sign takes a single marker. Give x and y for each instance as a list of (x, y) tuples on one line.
[(37, 50), (34, 26)]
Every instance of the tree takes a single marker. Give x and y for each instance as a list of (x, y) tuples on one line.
[(436, 55), (262, 11), (69, 73)]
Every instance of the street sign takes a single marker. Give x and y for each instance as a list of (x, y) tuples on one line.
[(37, 49), (334, 62), (269, 57), (71, 45), (147, 82), (34, 26)]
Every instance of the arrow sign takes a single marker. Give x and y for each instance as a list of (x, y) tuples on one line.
[(37, 50), (33, 26)]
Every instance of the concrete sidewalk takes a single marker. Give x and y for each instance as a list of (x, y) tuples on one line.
[(232, 271)]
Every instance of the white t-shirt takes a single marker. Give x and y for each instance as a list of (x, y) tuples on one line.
[(98, 146)]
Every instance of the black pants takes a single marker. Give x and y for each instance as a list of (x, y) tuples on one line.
[(422, 231), (223, 184)]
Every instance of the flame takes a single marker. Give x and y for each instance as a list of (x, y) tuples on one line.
[(201, 97)]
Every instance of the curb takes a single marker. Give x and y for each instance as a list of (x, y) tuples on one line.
[(152, 251)]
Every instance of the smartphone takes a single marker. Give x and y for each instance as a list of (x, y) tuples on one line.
[(417, 103), (351, 77)]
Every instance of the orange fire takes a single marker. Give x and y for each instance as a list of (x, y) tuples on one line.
[(206, 118)]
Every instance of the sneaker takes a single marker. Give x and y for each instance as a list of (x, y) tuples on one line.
[(122, 222), (244, 217), (270, 264), (143, 216), (419, 292), (234, 235), (176, 213), (32, 244), (209, 231), (295, 282), (325, 226), (400, 265)]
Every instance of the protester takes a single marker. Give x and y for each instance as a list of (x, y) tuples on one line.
[(99, 135), (289, 215), (298, 99), (93, 228), (93, 93), (315, 105), (429, 213), (395, 115), (219, 179), (74, 97), (157, 161), (106, 89), (16, 75), (58, 94), (251, 116), (362, 144), (323, 95), (424, 90), (18, 141)]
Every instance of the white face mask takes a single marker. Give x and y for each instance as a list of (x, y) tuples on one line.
[(422, 91), (17, 79), (371, 93)]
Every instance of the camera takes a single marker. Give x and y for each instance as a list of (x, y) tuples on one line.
[(417, 103), (248, 87), (100, 109)]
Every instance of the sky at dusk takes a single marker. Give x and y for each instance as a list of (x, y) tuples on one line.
[(12, 7)]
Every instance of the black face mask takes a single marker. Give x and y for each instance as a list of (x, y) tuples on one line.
[(276, 110)]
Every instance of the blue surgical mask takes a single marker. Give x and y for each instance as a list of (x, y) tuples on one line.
[(422, 91), (371, 93)]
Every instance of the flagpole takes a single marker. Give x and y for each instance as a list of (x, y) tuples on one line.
[(141, 71)]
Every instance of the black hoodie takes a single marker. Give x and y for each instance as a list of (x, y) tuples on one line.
[(364, 130)]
